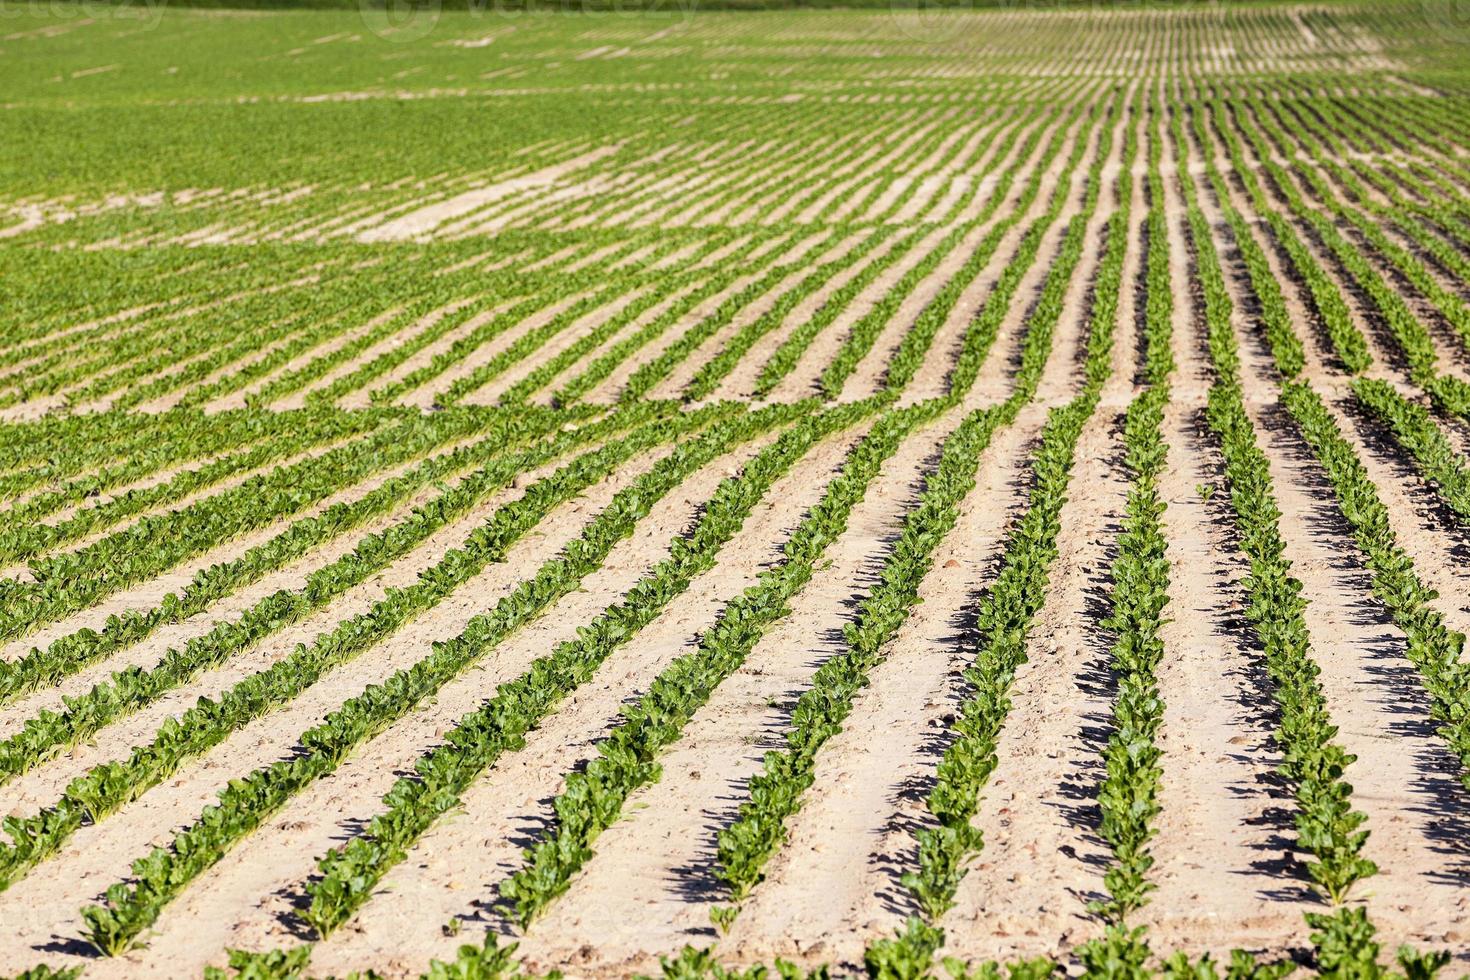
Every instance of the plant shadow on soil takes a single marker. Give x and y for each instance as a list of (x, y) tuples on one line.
[(965, 622), (697, 882), (910, 813), (1098, 681), (1273, 827), (1401, 694)]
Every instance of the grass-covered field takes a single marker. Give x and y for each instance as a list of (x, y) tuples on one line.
[(912, 492)]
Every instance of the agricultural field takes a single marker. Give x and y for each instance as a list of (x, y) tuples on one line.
[(971, 493)]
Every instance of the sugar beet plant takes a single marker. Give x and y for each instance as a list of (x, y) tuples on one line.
[(1313, 762), (627, 757), (1005, 616), (162, 874), (500, 725), (131, 689)]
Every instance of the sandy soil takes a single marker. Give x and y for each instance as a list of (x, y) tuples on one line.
[(769, 180)]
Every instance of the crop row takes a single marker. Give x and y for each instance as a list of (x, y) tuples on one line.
[(1348, 342), (775, 794), (627, 756), (131, 689), (478, 739), (73, 580), (1432, 647), (1411, 336), (1449, 305), (1128, 796), (1313, 762), (165, 872), (707, 283), (26, 538), (784, 359), (1008, 608), (705, 286), (73, 651), (1414, 429), (1435, 650), (981, 332), (864, 332), (106, 787)]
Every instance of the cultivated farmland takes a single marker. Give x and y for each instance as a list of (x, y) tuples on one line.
[(907, 493)]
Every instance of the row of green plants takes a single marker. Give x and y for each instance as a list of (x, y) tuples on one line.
[(56, 464), (26, 538), (1432, 647), (499, 461), (131, 908), (944, 849), (1435, 650), (705, 286), (246, 374), (744, 847), (1451, 307), (776, 793), (864, 333), (786, 356), (626, 347), (642, 380), (1128, 795), (214, 349), (1005, 616), (735, 347), (349, 874), (980, 334), (916, 342), (1434, 202), (100, 369), (72, 651), (717, 368), (1417, 224), (583, 291), (1313, 763), (105, 787), (714, 371), (421, 318), (1414, 429), (1335, 318), (1410, 335), (693, 271), (69, 581), (627, 758)]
